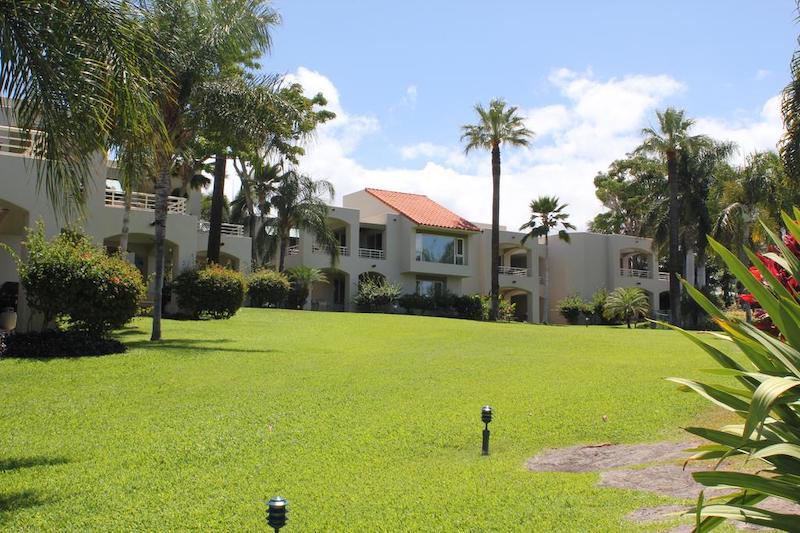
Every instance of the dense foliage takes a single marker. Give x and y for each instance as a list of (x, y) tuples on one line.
[(71, 279), (571, 308), (765, 397), (212, 291), (628, 304), (376, 294), (303, 278), (268, 288)]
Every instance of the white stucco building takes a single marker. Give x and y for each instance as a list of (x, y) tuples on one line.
[(406, 238)]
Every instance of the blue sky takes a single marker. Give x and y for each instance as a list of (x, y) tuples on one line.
[(404, 76)]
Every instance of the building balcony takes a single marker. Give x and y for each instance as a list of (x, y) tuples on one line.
[(142, 201), (371, 253), (512, 271), (293, 250), (236, 230), (643, 274), (344, 251), (16, 141)]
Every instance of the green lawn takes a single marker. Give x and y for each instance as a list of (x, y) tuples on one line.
[(364, 422)]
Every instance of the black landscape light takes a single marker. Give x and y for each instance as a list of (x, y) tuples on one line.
[(277, 508), (486, 417)]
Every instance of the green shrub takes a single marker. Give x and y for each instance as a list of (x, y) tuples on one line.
[(571, 308), (376, 294), (303, 279), (268, 288), (765, 396), (415, 302), (626, 304), (70, 279), (470, 307), (212, 291), (506, 311)]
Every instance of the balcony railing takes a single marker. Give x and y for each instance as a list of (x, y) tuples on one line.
[(663, 276), (16, 140), (512, 271), (371, 253), (635, 273), (143, 201), (293, 250), (317, 249), (236, 230)]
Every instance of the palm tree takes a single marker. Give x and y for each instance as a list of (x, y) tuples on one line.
[(299, 203), (201, 40), (547, 214), (790, 109), (627, 303), (499, 124), (668, 142), (303, 279), (79, 73), (251, 206)]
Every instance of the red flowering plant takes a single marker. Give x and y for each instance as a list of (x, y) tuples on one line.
[(762, 389), (782, 257)]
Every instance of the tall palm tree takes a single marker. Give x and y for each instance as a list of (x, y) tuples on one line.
[(668, 142), (250, 207), (201, 40), (547, 214), (627, 303), (498, 124), (79, 73), (790, 109), (300, 203)]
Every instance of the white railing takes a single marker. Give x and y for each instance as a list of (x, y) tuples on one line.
[(145, 201), (236, 230), (512, 271), (541, 279), (371, 253), (317, 249), (293, 250), (16, 140), (635, 273), (663, 276)]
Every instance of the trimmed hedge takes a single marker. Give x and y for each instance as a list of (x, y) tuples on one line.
[(77, 282), (268, 288), (212, 291), (376, 295)]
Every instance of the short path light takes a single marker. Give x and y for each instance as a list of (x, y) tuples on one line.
[(277, 508), (486, 417)]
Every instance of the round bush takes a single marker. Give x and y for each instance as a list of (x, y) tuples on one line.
[(268, 288), (211, 291), (70, 278)]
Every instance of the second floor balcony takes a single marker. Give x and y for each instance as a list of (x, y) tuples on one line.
[(643, 274), (512, 271), (236, 230), (142, 201)]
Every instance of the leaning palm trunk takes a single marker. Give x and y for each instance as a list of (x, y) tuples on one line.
[(162, 194), (495, 233), (126, 222)]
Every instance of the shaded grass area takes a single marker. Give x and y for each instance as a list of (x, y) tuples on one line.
[(364, 422)]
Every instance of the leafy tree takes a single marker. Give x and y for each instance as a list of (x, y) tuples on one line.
[(202, 41), (251, 206), (498, 124), (205, 208), (300, 203), (668, 143), (626, 303), (303, 279), (79, 74), (547, 214)]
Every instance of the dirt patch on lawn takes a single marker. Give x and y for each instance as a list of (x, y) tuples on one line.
[(656, 514), (666, 480), (605, 456)]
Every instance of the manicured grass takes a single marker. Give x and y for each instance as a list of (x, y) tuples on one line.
[(364, 422)]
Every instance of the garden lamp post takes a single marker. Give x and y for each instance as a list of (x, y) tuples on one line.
[(486, 417), (277, 508)]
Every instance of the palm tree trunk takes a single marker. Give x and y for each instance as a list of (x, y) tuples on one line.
[(546, 316), (162, 194), (674, 252), (217, 199), (495, 291), (282, 254), (126, 222)]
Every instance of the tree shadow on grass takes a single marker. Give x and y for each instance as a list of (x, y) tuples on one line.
[(195, 345), (12, 502), (15, 463)]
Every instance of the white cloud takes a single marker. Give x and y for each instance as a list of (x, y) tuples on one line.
[(762, 74), (761, 133), (596, 122)]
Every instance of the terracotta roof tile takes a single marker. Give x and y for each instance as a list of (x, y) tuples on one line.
[(422, 210)]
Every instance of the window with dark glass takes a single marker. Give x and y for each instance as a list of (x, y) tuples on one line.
[(435, 248)]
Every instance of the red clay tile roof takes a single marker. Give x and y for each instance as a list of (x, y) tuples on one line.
[(422, 210)]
